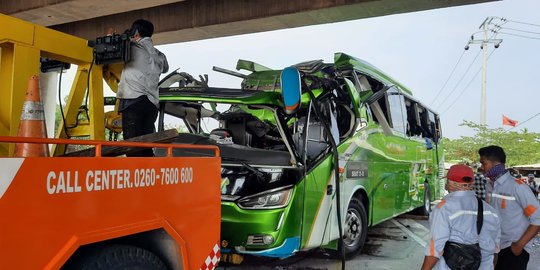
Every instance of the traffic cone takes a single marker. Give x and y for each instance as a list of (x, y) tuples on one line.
[(32, 123)]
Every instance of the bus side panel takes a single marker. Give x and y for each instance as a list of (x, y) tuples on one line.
[(383, 174), (438, 181)]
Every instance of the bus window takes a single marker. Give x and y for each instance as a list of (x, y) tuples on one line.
[(396, 108), (413, 120), (437, 128), (434, 127), (424, 122)]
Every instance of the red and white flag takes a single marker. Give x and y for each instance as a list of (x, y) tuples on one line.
[(509, 122)]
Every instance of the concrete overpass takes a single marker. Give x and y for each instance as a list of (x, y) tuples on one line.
[(177, 21)]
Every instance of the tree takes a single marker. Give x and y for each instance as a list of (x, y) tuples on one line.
[(521, 147)]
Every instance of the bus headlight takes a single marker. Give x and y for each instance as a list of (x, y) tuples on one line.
[(271, 199)]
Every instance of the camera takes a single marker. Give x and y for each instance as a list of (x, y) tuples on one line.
[(112, 48)]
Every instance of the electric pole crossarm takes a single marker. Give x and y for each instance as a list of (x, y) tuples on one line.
[(483, 43)]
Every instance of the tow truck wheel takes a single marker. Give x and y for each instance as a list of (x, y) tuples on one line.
[(119, 257), (354, 228)]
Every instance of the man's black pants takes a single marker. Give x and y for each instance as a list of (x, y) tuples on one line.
[(138, 119), (508, 261)]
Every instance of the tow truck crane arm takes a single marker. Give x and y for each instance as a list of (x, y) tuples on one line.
[(22, 45), (111, 75)]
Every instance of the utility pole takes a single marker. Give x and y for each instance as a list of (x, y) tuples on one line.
[(483, 45)]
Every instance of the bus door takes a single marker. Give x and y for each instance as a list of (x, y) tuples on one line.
[(319, 186)]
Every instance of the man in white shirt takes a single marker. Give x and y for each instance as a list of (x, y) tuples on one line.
[(454, 219), (138, 88)]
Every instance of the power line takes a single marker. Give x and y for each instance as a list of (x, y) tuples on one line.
[(462, 91), (488, 21), (447, 80), (495, 29), (465, 88), (517, 35), (526, 23), (519, 30), (519, 124), (461, 79)]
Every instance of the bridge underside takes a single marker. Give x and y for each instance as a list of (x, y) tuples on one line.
[(177, 21)]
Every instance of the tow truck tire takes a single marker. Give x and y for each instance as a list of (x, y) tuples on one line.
[(120, 257), (354, 228)]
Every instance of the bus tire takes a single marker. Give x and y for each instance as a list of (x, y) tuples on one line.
[(118, 257), (425, 209), (354, 228)]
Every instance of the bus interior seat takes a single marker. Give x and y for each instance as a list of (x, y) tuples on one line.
[(238, 129), (236, 123), (316, 143), (222, 135)]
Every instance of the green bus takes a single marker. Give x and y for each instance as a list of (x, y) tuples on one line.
[(354, 149)]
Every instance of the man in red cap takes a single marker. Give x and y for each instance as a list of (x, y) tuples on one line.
[(454, 221)]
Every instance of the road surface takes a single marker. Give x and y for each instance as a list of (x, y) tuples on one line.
[(394, 244)]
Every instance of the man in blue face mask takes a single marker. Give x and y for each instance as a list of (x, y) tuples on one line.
[(518, 209), (138, 88)]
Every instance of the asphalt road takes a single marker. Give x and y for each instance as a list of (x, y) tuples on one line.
[(394, 244)]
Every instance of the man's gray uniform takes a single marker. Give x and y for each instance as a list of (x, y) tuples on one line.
[(140, 76), (516, 206), (454, 219)]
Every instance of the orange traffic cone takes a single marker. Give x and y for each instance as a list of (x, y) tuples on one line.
[(32, 123)]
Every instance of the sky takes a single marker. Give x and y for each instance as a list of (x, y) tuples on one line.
[(422, 50)]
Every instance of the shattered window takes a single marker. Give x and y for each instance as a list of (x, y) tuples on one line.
[(396, 104)]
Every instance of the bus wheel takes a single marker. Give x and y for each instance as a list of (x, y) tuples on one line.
[(118, 257), (354, 228), (426, 208)]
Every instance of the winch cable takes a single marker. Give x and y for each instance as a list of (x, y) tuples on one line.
[(85, 107), (64, 124)]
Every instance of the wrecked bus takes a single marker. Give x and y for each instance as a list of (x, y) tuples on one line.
[(350, 149)]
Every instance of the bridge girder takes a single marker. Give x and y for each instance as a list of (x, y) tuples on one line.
[(178, 21)]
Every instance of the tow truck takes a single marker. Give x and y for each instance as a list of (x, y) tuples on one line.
[(94, 208)]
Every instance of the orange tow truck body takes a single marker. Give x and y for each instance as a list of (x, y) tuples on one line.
[(87, 212), (52, 206)]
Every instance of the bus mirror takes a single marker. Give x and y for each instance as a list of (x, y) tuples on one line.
[(291, 89)]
